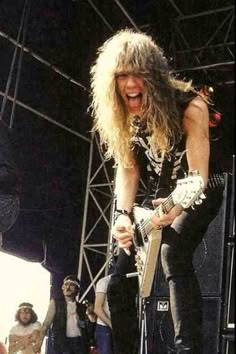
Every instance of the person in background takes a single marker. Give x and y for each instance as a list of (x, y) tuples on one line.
[(152, 123), (103, 331), (24, 336), (91, 320), (67, 319)]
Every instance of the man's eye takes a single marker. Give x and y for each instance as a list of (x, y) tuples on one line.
[(121, 76)]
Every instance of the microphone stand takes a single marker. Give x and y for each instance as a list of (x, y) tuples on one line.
[(142, 320), (143, 326)]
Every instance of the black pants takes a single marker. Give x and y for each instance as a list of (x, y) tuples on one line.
[(179, 242), (121, 295), (74, 346)]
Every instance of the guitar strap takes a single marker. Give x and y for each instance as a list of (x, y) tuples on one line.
[(160, 186)]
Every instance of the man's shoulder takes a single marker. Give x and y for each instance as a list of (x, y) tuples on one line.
[(102, 284), (196, 104), (58, 301), (15, 328), (20, 330), (36, 325)]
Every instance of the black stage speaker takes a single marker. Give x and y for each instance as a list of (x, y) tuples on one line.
[(229, 297), (160, 327), (228, 341), (209, 263)]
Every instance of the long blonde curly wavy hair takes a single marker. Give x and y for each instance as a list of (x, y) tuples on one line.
[(138, 52)]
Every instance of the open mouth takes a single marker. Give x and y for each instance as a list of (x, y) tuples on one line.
[(134, 99)]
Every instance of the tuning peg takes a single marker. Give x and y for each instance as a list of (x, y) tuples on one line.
[(139, 268), (202, 196), (198, 202)]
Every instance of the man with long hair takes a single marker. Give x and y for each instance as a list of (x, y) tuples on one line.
[(24, 335), (146, 118)]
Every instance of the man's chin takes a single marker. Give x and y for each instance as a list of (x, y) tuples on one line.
[(135, 110), (24, 324), (69, 294)]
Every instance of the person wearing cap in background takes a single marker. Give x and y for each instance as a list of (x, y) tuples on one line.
[(68, 322), (24, 335)]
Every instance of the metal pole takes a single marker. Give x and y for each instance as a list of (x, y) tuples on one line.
[(44, 116), (85, 208)]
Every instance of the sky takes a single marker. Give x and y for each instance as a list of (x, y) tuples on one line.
[(21, 281)]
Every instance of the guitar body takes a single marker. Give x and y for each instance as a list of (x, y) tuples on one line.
[(147, 240), (147, 249)]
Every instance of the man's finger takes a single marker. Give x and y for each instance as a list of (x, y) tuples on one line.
[(158, 201)]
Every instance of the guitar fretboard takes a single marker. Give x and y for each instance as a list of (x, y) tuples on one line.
[(166, 206)]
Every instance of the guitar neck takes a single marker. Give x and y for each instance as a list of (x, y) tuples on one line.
[(166, 206)]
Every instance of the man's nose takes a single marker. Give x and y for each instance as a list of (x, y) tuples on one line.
[(131, 80)]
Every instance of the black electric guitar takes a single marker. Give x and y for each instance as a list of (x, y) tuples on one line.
[(147, 240)]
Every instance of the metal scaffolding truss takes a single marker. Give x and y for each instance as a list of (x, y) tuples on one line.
[(211, 32), (95, 244)]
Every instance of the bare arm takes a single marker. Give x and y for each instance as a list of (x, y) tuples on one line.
[(49, 316), (98, 309), (46, 323), (17, 343), (34, 335), (90, 313), (196, 126), (127, 180)]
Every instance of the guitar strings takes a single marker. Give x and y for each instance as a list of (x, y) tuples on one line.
[(144, 225)]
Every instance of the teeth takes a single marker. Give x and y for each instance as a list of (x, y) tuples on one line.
[(132, 94)]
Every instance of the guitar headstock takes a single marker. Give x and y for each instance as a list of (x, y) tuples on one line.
[(188, 190)]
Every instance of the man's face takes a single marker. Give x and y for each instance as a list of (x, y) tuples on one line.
[(25, 317), (69, 289), (131, 88)]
